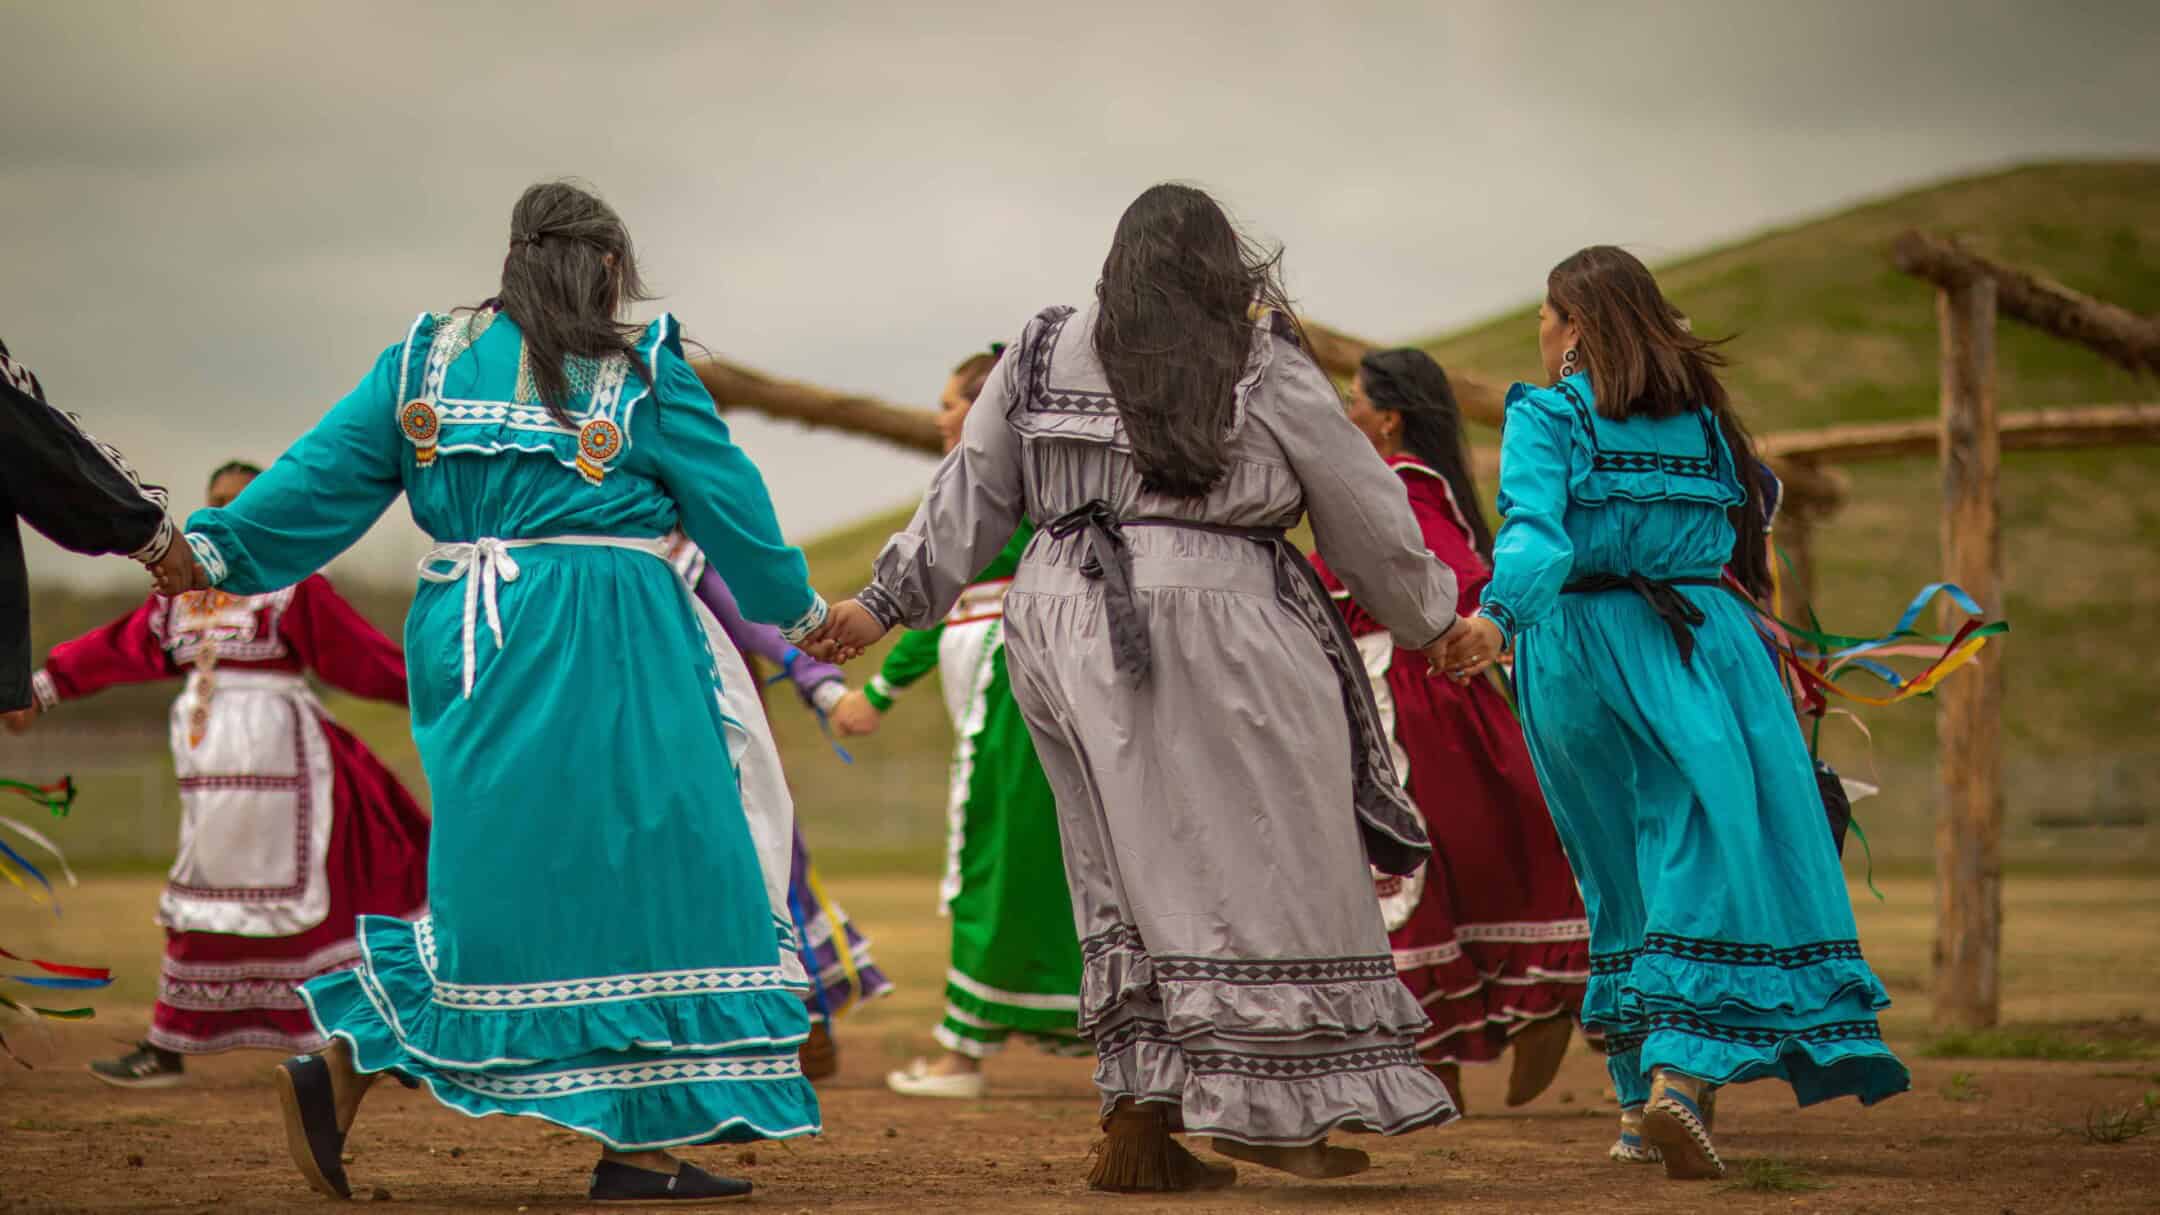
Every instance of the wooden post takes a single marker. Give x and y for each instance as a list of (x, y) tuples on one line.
[(1968, 824)]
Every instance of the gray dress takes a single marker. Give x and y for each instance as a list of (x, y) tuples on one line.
[(1219, 807)]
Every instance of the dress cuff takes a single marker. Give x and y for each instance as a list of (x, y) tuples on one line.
[(207, 555), (828, 695), (153, 551), (1501, 616), (806, 625), (880, 693), (882, 607), (42, 691)]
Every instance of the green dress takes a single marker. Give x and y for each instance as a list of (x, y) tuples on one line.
[(1015, 955), (602, 951)]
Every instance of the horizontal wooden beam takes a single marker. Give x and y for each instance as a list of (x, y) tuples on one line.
[(2023, 430), (1480, 399), (2113, 332), (734, 386)]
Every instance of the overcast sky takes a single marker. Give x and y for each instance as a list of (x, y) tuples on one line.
[(213, 216)]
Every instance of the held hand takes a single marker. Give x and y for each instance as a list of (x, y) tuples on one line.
[(177, 571), (855, 716), (849, 629), (19, 720), (1467, 649)]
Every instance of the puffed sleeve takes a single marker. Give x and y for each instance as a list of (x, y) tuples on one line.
[(726, 509), (123, 652), (1359, 511), (341, 645), (1532, 554), (316, 500), (975, 502)]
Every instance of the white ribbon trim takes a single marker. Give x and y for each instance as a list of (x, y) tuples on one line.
[(483, 564)]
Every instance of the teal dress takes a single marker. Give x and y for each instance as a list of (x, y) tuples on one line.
[(601, 952), (1722, 942)]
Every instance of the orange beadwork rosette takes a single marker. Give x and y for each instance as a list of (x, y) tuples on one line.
[(421, 425), (599, 441)]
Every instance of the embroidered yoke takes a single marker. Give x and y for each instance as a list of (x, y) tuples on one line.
[(1721, 938), (605, 951)]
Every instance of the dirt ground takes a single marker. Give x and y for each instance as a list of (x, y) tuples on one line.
[(1973, 1135)]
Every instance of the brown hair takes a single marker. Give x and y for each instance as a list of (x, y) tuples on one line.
[(1644, 360), (974, 370)]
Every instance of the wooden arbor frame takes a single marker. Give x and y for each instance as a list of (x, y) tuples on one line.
[(1969, 436)]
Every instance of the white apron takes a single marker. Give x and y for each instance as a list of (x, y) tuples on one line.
[(255, 806)]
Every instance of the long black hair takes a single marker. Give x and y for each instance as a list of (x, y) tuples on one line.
[(1644, 360), (1409, 383), (1180, 297), (570, 271)]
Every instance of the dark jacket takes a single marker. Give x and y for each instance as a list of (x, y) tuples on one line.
[(75, 490)]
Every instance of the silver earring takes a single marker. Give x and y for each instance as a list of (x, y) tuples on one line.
[(1567, 363)]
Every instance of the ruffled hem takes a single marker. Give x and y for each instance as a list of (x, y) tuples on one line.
[(1821, 1063), (1257, 1095), (633, 1113), (1291, 1011), (1660, 982), (1249, 998), (1475, 1027), (395, 989)]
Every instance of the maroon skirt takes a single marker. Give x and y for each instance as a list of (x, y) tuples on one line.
[(219, 992)]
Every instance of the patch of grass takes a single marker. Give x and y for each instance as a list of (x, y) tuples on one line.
[(43, 1125), (2119, 1126), (1767, 1175), (2034, 1044), (1962, 1087)]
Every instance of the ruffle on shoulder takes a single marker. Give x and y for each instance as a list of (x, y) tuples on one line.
[(1681, 458)]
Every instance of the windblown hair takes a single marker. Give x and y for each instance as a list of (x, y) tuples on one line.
[(974, 370), (1644, 360), (232, 467), (570, 272), (1181, 297), (1408, 383)]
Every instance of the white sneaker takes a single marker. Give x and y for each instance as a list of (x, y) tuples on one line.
[(917, 1080)]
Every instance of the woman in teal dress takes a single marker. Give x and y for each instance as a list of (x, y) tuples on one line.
[(1722, 943), (602, 953)]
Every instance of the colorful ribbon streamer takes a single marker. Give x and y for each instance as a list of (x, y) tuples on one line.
[(58, 797)]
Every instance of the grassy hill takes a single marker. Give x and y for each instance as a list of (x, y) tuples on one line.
[(1827, 332)]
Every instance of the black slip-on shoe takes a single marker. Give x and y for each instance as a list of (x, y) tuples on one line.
[(311, 1133), (613, 1182)]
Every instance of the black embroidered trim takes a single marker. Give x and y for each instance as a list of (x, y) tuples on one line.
[(1704, 466), (1650, 461), (1619, 1041), (882, 607), (1727, 953), (1044, 399), (1264, 972), (1262, 1065), (1117, 936)]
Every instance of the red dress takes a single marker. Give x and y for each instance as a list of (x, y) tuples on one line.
[(290, 828), (1491, 935)]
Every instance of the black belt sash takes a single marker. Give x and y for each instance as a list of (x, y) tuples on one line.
[(1679, 613), (1393, 833)]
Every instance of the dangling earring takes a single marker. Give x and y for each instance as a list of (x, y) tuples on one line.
[(1567, 363)]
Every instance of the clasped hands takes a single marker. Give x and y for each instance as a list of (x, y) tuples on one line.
[(177, 570), (849, 629), (1465, 652)]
